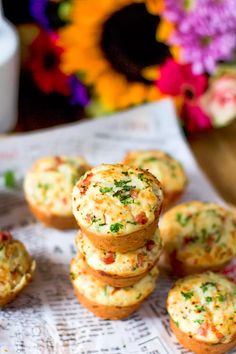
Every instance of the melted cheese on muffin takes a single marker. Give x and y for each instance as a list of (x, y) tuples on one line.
[(164, 167), (204, 306), (16, 265), (200, 233), (121, 264), (116, 199), (97, 291), (50, 182)]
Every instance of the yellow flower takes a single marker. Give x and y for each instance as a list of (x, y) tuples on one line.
[(91, 52), (155, 7)]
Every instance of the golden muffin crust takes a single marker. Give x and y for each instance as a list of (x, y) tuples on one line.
[(120, 264), (16, 267), (203, 306), (116, 200), (165, 168), (198, 236), (48, 185), (100, 293)]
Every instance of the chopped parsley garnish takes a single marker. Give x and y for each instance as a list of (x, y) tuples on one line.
[(142, 177), (150, 159), (123, 194), (203, 235), (221, 298), (199, 321), (106, 290), (125, 173), (105, 189), (126, 199), (182, 219), (206, 285), (9, 179), (187, 295), (72, 275), (176, 323), (44, 186), (116, 227), (208, 299), (74, 179), (131, 222), (199, 308), (122, 183), (94, 219)]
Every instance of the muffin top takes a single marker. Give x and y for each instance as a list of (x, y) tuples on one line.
[(165, 168), (123, 264), (116, 199), (49, 183), (200, 233), (16, 265), (97, 291), (204, 306)]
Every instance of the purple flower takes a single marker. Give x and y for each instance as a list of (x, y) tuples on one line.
[(79, 93), (38, 12), (205, 31), (51, 15)]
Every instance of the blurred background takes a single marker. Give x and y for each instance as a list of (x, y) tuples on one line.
[(65, 60), (89, 58)]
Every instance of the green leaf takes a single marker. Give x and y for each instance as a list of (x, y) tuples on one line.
[(199, 321), (9, 179), (182, 219), (72, 275), (177, 323), (122, 183), (105, 189), (199, 308), (208, 299), (187, 295), (206, 285), (143, 178), (150, 159), (221, 298), (116, 227)]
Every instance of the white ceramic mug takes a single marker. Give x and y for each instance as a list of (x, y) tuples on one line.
[(9, 74)]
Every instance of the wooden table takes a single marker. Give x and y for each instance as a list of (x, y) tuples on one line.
[(215, 152)]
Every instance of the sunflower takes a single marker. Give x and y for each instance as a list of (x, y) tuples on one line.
[(112, 46)]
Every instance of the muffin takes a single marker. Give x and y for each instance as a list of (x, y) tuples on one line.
[(117, 206), (106, 301), (165, 168), (202, 311), (198, 236), (16, 267), (119, 269), (48, 187)]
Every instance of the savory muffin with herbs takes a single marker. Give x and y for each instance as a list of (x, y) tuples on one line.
[(16, 267), (198, 236), (165, 168), (106, 301), (48, 187), (202, 311), (117, 206), (119, 269)]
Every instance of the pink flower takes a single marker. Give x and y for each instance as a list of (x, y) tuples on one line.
[(179, 80), (219, 101)]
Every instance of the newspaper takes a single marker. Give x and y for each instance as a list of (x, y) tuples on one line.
[(46, 317)]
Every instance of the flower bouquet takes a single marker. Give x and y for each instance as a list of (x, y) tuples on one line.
[(109, 55)]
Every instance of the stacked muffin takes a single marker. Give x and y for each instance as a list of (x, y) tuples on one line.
[(117, 208)]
